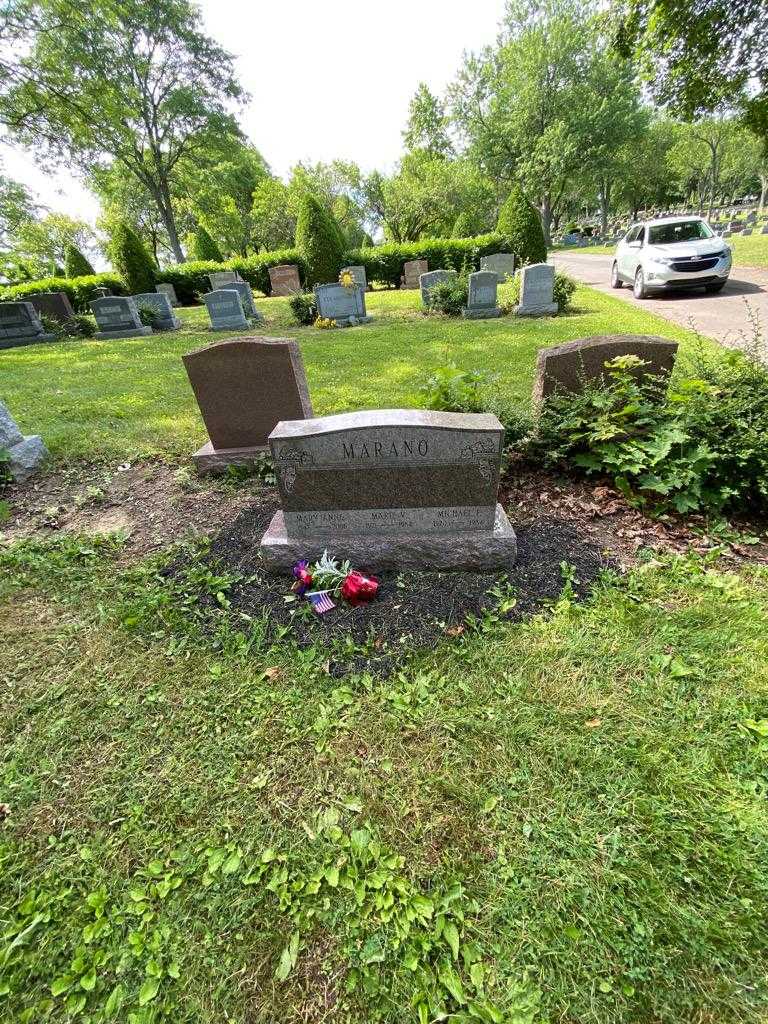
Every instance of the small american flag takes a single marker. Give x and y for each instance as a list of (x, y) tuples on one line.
[(320, 601)]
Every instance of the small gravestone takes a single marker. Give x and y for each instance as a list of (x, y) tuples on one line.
[(221, 278), (412, 271), (727, 233), (284, 279), (344, 305), (359, 275), (101, 292), (117, 316), (566, 368), (159, 304), (746, 231), (20, 325), (764, 230), (25, 453), (244, 387), (169, 290), (428, 281), (53, 304), (537, 282), (752, 216), (402, 488), (225, 310), (572, 238), (502, 263), (481, 296), (243, 289)]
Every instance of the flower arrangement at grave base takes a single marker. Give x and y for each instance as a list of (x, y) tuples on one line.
[(326, 579), (325, 323), (347, 279)]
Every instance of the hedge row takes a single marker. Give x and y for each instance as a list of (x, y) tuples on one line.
[(81, 290), (191, 279), (384, 263)]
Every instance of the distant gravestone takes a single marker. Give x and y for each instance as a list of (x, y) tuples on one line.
[(727, 233), (244, 387), (159, 304), (572, 238), (25, 453), (412, 271), (344, 305), (221, 278), (402, 488), (502, 263), (481, 296), (752, 216), (428, 281), (566, 368), (117, 316), (243, 289), (169, 290), (764, 230), (101, 292), (284, 279), (20, 325), (537, 282), (225, 310), (53, 304), (746, 231), (359, 275)]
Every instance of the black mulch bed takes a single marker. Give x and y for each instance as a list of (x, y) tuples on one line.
[(413, 609)]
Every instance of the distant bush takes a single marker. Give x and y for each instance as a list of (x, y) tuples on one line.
[(131, 259), (190, 280), (303, 307), (75, 264), (520, 224), (81, 290), (562, 291), (448, 297), (384, 263), (77, 326), (204, 247), (462, 226), (149, 316), (320, 242)]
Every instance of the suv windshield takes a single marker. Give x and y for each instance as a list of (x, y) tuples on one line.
[(680, 231)]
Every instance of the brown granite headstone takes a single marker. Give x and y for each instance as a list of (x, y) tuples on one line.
[(284, 280), (53, 304), (244, 387), (565, 368), (408, 488), (412, 271)]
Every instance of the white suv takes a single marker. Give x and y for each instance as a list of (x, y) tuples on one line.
[(673, 252)]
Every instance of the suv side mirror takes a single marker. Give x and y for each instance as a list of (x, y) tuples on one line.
[(635, 245)]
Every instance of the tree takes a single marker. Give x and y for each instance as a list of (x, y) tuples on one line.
[(319, 241), (44, 242), (704, 158), (17, 207), (273, 215), (520, 225), (462, 226), (203, 246), (645, 178), (75, 264), (130, 259), (124, 197), (135, 82), (427, 127)]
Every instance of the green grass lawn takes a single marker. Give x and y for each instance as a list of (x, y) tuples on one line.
[(748, 251), (120, 399)]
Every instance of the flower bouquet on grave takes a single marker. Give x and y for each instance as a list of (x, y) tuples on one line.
[(347, 279), (329, 579)]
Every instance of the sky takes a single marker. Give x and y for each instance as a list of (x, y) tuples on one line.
[(327, 79)]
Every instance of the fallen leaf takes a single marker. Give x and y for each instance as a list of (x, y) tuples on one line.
[(593, 723), (455, 630), (5, 811), (272, 673)]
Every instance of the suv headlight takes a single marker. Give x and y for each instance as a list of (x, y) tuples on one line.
[(665, 261)]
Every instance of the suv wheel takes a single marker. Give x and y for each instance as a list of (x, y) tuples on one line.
[(616, 281), (716, 287), (639, 288)]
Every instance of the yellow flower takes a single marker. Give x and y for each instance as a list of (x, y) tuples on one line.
[(347, 278)]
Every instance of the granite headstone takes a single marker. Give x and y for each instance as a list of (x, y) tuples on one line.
[(344, 305), (566, 368), (537, 282), (221, 278), (25, 453), (503, 263), (117, 316), (428, 281), (412, 271), (161, 306), (53, 304), (243, 289), (359, 275), (405, 488), (481, 296), (225, 309), (244, 387), (20, 325), (169, 290), (284, 279)]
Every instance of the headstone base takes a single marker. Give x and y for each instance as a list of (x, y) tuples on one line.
[(168, 325), (131, 332), (550, 309), (471, 552), (352, 321), (26, 457), (217, 460), (33, 339), (481, 314)]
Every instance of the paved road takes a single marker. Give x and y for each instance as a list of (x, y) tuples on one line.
[(724, 316)]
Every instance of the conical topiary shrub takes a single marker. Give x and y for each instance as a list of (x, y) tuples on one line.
[(131, 259), (520, 224), (75, 264), (319, 241), (462, 226), (204, 247)]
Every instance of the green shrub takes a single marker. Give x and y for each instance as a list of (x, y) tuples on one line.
[(303, 308), (81, 290), (131, 259), (204, 247), (450, 389), (462, 226), (448, 297), (77, 326), (562, 291), (75, 264), (191, 279), (148, 316), (520, 224), (384, 263), (319, 241)]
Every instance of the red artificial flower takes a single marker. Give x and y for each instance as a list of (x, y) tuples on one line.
[(359, 589)]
